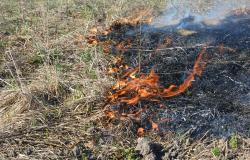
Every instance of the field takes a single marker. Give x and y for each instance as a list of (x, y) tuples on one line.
[(53, 86)]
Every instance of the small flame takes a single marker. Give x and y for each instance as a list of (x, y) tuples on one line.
[(154, 126), (112, 70), (140, 131), (91, 40), (143, 16), (110, 114)]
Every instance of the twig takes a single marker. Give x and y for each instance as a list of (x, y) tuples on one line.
[(18, 73), (180, 48), (22, 132), (34, 142)]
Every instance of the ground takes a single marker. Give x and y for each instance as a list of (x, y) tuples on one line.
[(53, 86)]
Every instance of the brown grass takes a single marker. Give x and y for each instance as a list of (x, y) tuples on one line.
[(52, 84)]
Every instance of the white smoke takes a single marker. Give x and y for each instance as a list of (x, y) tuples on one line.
[(210, 12)]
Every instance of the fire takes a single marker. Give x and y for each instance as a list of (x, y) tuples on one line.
[(137, 96), (140, 132), (91, 40), (174, 90), (131, 89), (142, 87), (142, 16), (154, 125), (110, 114), (132, 86)]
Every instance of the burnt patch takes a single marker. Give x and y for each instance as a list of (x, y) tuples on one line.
[(216, 101)]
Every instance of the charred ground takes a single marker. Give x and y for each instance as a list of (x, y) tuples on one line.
[(218, 101)]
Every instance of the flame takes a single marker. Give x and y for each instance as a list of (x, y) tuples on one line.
[(110, 114), (124, 45), (130, 89), (91, 40), (154, 126), (142, 87), (174, 90), (112, 70), (144, 16), (140, 131), (133, 87)]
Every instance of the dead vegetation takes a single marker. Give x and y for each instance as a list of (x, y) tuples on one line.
[(53, 85)]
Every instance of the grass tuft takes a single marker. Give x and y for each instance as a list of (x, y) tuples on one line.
[(216, 152), (233, 141)]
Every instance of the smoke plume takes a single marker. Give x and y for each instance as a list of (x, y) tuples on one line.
[(208, 12)]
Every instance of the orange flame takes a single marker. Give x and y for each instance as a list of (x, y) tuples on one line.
[(174, 90), (144, 16), (154, 125), (131, 89), (110, 114), (140, 132)]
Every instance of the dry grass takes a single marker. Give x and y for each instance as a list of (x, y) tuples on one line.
[(53, 85)]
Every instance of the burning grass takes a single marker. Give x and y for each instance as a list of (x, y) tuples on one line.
[(142, 46), (147, 87), (131, 90)]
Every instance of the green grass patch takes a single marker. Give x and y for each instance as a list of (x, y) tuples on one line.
[(86, 56), (216, 152), (233, 142), (91, 74), (130, 154)]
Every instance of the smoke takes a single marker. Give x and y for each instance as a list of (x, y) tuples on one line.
[(208, 12)]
